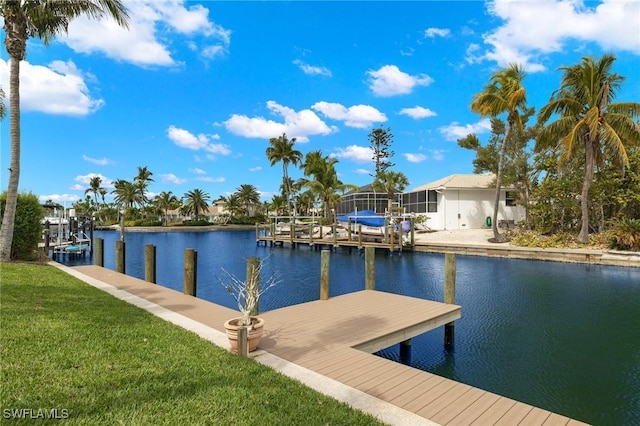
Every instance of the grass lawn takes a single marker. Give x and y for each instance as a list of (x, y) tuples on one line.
[(69, 347)]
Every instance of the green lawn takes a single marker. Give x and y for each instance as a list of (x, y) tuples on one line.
[(68, 346)]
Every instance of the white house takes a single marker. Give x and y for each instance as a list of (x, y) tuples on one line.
[(462, 202)]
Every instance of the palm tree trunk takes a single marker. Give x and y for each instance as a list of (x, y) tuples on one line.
[(583, 237), (8, 220), (287, 187), (497, 237)]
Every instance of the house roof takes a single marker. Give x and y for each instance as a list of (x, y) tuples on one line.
[(459, 181)]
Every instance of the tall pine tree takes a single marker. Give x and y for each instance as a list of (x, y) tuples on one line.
[(381, 140)]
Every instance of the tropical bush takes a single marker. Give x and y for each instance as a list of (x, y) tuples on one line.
[(626, 235), (28, 229)]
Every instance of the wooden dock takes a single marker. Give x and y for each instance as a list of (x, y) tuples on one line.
[(320, 237), (334, 337)]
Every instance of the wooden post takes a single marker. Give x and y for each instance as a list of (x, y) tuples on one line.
[(370, 267), (449, 295), (98, 259), (413, 234), (253, 280), (405, 352), (150, 263), (190, 272), (120, 256), (243, 342), (359, 236), (325, 256), (334, 231), (311, 235), (349, 228), (273, 230), (91, 228)]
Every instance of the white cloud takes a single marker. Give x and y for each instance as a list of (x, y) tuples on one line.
[(297, 124), (418, 112), (210, 179), (358, 116), (390, 81), (612, 24), (437, 154), (59, 198), (312, 70), (171, 178), (145, 41), (355, 153), (185, 139), (84, 181), (362, 172), (255, 169), (415, 158), (99, 161), (198, 171), (455, 131), (59, 88), (436, 32)]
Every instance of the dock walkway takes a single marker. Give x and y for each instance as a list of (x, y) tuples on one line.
[(334, 337)]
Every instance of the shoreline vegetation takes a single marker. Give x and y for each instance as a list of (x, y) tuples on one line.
[(90, 358)]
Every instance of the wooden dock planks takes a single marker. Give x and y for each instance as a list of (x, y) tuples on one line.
[(321, 336)]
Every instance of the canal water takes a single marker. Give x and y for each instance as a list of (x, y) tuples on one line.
[(563, 337)]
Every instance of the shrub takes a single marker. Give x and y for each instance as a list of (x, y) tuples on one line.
[(28, 228), (626, 235)]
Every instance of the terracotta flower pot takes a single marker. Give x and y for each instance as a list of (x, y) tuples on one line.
[(255, 332)]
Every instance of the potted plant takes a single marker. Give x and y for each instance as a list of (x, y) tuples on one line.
[(247, 295)]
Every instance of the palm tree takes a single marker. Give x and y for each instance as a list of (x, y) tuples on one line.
[(142, 180), (166, 201), (43, 19), (126, 193), (278, 204), (391, 183), (248, 196), (504, 94), (325, 182), (94, 187), (196, 201), (281, 150), (589, 122)]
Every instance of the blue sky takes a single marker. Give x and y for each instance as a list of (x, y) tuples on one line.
[(194, 90)]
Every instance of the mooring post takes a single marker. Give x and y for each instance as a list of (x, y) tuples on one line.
[(190, 272), (243, 342), (311, 235), (325, 258), (449, 295), (91, 228), (370, 267), (150, 263), (413, 233), (253, 281), (405, 352), (120, 256), (98, 258)]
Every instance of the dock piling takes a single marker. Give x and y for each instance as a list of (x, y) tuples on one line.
[(449, 296), (190, 271), (370, 268), (325, 256), (120, 256), (98, 259), (150, 263)]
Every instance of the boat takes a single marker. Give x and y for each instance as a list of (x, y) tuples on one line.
[(364, 222), (373, 226)]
